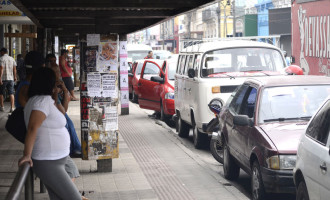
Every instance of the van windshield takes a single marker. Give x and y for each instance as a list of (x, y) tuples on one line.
[(238, 61), (137, 55)]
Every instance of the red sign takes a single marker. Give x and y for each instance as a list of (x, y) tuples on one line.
[(311, 36)]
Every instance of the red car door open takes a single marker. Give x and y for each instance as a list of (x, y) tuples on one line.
[(149, 86)]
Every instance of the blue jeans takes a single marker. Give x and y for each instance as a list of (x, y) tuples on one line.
[(75, 145)]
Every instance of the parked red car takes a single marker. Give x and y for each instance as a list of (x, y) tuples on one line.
[(133, 79), (156, 87), (261, 125)]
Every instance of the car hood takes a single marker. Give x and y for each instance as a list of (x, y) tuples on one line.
[(285, 136)]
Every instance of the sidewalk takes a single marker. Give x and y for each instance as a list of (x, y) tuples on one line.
[(152, 165)]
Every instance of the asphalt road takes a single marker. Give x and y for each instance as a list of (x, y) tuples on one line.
[(243, 183)]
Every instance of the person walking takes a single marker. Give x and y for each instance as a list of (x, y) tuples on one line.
[(21, 71), (7, 78), (66, 73), (150, 55), (47, 141)]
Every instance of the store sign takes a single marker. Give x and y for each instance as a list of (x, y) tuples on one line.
[(8, 9), (311, 36), (239, 26)]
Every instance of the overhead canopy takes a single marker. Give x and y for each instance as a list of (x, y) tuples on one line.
[(68, 17)]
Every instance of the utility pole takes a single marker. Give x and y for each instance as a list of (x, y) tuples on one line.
[(219, 18), (234, 18)]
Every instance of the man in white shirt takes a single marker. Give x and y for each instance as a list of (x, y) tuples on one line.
[(7, 77)]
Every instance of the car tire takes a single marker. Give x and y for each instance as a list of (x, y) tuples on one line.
[(199, 138), (135, 98), (302, 192), (163, 116), (216, 148), (182, 127), (257, 186), (230, 168)]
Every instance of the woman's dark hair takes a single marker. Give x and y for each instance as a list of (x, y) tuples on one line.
[(50, 55), (33, 61), (63, 51), (42, 83)]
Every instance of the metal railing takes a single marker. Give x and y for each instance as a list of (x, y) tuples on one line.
[(23, 176)]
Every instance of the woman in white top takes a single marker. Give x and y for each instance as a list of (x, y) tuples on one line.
[(47, 140)]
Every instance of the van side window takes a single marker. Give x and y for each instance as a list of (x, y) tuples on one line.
[(196, 63), (182, 64), (319, 127), (151, 69), (189, 64), (178, 68)]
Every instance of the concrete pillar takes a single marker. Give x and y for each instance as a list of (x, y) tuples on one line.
[(104, 165)]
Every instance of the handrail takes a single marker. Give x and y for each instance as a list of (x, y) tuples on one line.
[(22, 177)]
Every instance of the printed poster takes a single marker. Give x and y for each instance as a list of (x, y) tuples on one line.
[(111, 118), (94, 87), (124, 98), (107, 59), (109, 85), (93, 39), (123, 48), (90, 59)]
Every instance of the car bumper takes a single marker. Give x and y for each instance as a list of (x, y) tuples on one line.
[(278, 181), (169, 108)]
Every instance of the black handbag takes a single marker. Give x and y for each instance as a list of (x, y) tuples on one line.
[(15, 124)]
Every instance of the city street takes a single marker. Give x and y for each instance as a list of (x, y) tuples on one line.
[(154, 163), (204, 158)]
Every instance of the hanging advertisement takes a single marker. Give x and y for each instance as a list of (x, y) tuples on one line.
[(124, 98), (311, 36), (99, 98)]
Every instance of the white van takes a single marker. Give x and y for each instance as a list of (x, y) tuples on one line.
[(213, 70), (137, 51)]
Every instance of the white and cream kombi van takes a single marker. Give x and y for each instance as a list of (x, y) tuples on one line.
[(213, 70)]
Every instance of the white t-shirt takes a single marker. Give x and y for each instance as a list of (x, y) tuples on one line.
[(8, 64), (52, 140)]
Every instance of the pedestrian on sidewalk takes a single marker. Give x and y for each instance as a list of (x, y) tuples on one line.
[(62, 103), (150, 55), (66, 73), (47, 140), (7, 78), (21, 72)]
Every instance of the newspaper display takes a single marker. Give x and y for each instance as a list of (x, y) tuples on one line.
[(99, 97)]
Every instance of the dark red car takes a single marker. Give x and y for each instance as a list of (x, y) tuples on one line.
[(133, 79), (156, 87), (261, 125)]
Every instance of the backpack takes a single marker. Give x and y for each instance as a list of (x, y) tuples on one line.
[(15, 124)]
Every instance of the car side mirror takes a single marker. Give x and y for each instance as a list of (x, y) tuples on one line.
[(130, 74), (242, 120), (157, 79), (191, 73)]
